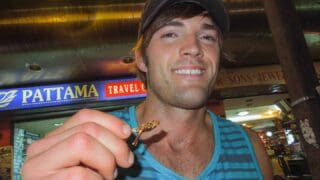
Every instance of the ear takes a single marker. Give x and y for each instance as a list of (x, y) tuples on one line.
[(140, 62)]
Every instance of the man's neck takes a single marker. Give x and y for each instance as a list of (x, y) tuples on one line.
[(183, 136), (178, 127)]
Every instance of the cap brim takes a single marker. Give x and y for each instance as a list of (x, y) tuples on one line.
[(215, 8)]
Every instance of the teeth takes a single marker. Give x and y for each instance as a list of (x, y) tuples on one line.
[(188, 71)]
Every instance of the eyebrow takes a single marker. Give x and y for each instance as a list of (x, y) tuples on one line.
[(204, 26), (173, 23), (207, 26)]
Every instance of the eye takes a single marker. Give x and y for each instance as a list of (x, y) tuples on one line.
[(168, 35), (209, 38)]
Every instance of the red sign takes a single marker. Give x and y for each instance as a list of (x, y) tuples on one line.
[(124, 88)]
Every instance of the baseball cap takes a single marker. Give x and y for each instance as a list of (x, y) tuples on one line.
[(215, 8)]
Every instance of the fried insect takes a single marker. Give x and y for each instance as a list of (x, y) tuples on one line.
[(143, 128)]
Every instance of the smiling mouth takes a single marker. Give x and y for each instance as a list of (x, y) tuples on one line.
[(189, 71)]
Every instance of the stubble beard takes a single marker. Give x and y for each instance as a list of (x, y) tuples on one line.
[(190, 100), (180, 97)]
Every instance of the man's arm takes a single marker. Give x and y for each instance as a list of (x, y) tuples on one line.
[(262, 156)]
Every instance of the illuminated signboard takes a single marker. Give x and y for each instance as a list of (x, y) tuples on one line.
[(62, 94)]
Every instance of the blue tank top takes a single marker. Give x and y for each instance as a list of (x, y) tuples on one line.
[(233, 158)]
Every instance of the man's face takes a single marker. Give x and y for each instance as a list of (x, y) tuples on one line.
[(183, 58)]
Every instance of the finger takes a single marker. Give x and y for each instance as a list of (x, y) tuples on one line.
[(117, 146), (75, 172), (114, 124), (79, 149), (78, 173)]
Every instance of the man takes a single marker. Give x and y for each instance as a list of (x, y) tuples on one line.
[(177, 56)]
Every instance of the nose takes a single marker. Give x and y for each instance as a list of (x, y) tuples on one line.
[(191, 47)]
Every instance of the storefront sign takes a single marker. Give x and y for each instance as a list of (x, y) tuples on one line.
[(252, 76), (61, 94), (115, 89)]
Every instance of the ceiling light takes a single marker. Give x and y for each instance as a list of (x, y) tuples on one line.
[(276, 88), (270, 112), (243, 113), (34, 67), (245, 118), (269, 133)]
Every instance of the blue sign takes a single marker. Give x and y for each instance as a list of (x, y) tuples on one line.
[(62, 94)]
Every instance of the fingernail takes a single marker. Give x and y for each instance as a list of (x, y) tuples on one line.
[(131, 158), (115, 173), (126, 129)]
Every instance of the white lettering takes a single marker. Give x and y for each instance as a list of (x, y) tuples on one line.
[(93, 91), (115, 90), (121, 90), (68, 93), (59, 92), (37, 96), (48, 93), (26, 94), (110, 90), (125, 88), (81, 91)]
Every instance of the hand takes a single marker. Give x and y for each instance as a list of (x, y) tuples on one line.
[(88, 146)]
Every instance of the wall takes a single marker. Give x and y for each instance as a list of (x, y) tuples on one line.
[(5, 132)]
